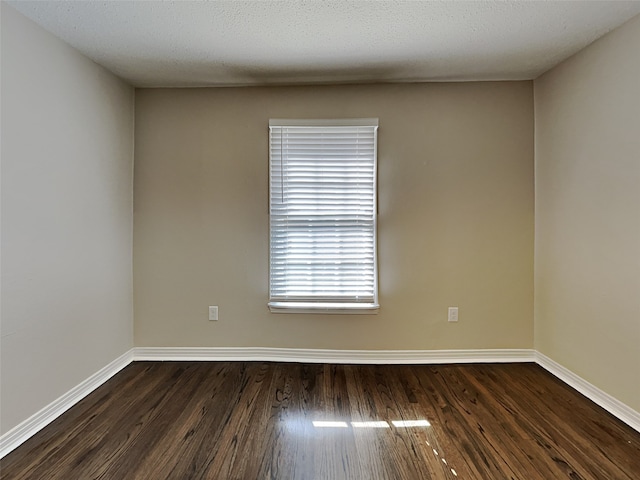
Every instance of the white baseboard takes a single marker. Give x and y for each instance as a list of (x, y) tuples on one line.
[(301, 355), (593, 393), (32, 425), (19, 434)]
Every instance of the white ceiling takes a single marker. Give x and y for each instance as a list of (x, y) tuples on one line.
[(199, 43)]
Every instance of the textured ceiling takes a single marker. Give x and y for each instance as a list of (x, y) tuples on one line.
[(198, 43)]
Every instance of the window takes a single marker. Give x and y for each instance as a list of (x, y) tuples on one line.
[(323, 216)]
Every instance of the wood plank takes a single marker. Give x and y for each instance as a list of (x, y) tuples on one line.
[(254, 420)]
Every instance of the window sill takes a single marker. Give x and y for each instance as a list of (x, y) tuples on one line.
[(325, 308)]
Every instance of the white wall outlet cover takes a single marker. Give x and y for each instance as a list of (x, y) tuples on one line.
[(213, 313), (453, 314)]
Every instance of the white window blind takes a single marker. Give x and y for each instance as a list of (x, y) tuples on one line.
[(323, 215)]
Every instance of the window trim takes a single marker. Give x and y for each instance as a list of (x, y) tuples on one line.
[(324, 307), (330, 307)]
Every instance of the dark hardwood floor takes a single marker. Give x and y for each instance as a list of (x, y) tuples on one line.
[(252, 420)]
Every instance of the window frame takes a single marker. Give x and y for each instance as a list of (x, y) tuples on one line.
[(315, 306)]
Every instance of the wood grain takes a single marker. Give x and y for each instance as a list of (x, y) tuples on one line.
[(252, 420)]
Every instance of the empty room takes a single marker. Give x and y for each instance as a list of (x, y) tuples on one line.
[(320, 240)]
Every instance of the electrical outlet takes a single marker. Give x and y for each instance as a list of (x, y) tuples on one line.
[(453, 314), (213, 313)]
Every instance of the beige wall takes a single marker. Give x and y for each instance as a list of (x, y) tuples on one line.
[(455, 224), (587, 270), (67, 149)]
